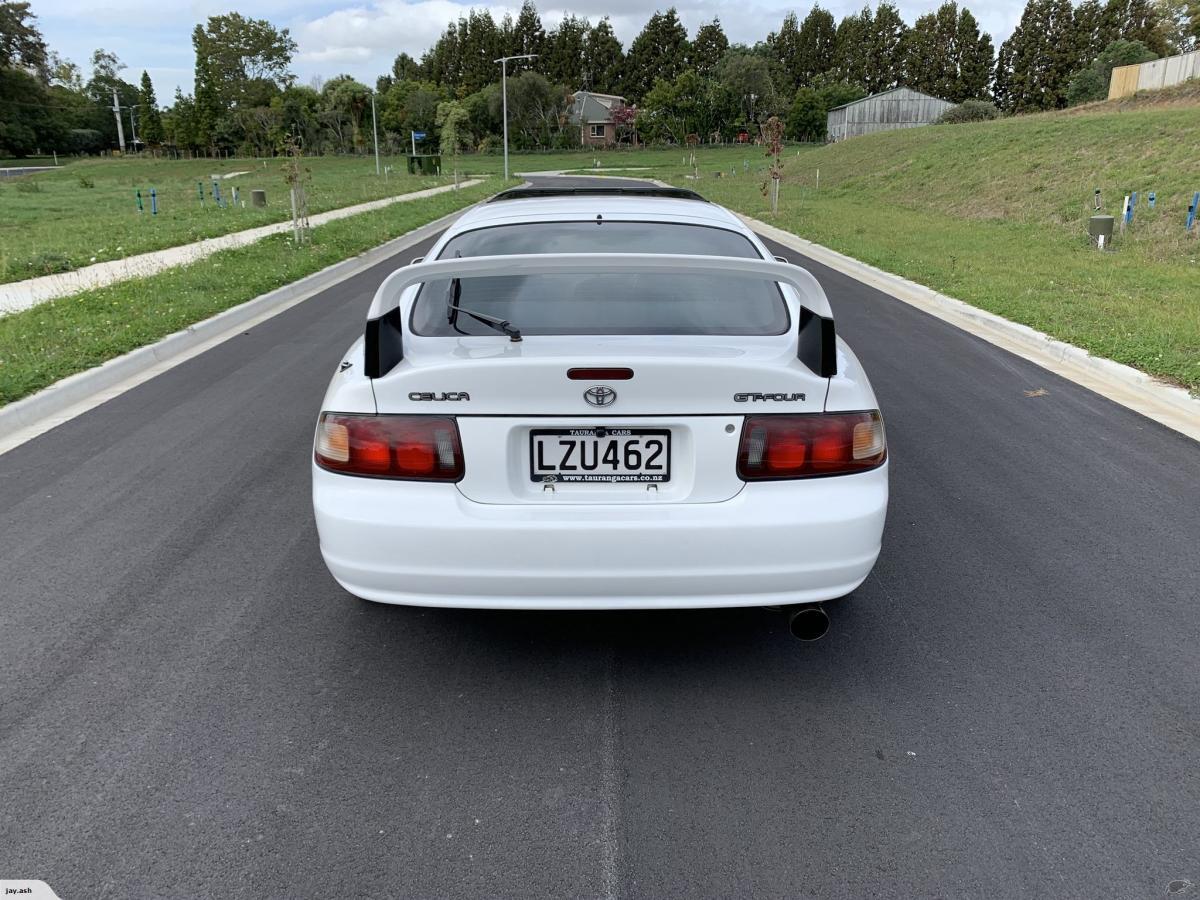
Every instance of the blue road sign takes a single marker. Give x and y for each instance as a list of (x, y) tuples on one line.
[(418, 135)]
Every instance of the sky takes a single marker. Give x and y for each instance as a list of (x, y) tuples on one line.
[(362, 38)]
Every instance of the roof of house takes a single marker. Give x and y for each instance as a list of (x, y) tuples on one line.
[(593, 109), (901, 87)]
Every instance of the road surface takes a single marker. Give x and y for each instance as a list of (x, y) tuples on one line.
[(191, 707)]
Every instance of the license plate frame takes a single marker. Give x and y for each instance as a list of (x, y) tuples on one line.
[(599, 433)]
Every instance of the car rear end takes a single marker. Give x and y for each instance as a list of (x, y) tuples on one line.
[(608, 458)]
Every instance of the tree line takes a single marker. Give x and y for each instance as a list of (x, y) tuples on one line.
[(246, 100)]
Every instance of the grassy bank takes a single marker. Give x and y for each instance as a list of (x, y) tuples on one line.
[(87, 212), (62, 337), (996, 214)]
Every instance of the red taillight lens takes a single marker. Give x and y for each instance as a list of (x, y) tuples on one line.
[(620, 373), (777, 447), (417, 448)]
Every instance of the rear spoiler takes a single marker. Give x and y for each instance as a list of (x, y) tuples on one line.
[(816, 346)]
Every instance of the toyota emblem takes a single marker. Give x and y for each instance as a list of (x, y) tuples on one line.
[(600, 395)]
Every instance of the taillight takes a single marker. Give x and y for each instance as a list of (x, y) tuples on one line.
[(777, 447), (415, 448)]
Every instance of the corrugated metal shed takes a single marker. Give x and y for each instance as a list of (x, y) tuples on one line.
[(900, 107)]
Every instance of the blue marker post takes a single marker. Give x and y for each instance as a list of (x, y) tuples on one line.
[(200, 191), (1129, 210), (1150, 198), (138, 194), (235, 197), (153, 202), (1191, 219)]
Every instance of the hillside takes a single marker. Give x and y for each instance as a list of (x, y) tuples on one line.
[(995, 213)]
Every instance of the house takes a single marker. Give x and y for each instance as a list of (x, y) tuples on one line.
[(592, 113), (901, 107)]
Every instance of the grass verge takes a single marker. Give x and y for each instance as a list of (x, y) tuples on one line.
[(995, 214), (61, 337), (87, 212)]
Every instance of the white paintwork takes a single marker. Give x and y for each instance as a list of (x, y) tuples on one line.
[(498, 540)]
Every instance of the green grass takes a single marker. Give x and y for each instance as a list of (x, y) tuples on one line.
[(652, 160), (995, 214), (59, 338), (52, 222)]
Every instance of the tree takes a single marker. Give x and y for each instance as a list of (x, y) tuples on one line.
[(784, 46), (241, 64), (603, 59), (1137, 20), (745, 78), (660, 51), (809, 114), (410, 106), (1181, 24), (671, 110), (478, 49), (563, 56), (405, 68), (709, 48), (150, 119), (948, 57), (818, 37), (885, 39), (1038, 59), (453, 120), (1091, 83), (528, 36), (851, 47), (536, 112), (21, 43), (344, 103)]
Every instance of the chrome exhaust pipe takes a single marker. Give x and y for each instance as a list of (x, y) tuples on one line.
[(808, 622)]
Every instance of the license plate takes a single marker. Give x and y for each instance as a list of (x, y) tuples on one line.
[(600, 454)]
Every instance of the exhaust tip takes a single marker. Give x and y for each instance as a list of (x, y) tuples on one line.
[(809, 623)]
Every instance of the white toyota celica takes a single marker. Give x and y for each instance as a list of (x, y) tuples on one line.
[(600, 398)]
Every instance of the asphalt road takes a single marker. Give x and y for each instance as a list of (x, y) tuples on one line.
[(191, 707)]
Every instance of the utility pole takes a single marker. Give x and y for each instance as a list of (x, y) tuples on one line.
[(504, 93), (117, 113), (375, 133), (132, 129)]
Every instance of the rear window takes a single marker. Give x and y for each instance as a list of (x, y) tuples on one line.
[(605, 304)]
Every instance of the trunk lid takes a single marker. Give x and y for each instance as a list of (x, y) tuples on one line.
[(696, 388)]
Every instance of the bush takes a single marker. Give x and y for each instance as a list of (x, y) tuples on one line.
[(85, 182), (1090, 84), (490, 144), (969, 111)]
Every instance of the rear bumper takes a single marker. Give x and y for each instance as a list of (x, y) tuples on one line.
[(427, 545)]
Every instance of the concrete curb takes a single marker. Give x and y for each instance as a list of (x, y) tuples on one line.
[(25, 419), (1133, 389)]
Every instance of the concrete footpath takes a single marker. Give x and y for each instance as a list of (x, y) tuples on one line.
[(22, 295)]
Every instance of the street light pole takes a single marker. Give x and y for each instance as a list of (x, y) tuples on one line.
[(504, 94), (375, 133)]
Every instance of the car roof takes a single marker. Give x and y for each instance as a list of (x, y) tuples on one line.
[(586, 206)]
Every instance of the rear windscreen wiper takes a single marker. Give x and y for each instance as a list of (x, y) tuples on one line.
[(454, 294)]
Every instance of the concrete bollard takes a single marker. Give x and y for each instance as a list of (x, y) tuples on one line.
[(258, 198)]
